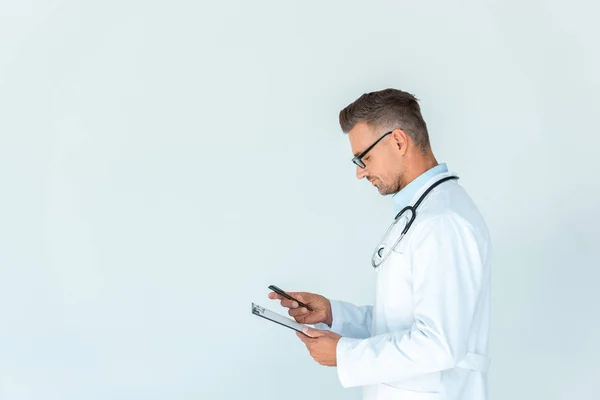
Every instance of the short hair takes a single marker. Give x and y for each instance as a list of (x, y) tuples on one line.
[(388, 109)]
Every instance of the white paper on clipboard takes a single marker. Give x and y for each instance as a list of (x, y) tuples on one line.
[(278, 319)]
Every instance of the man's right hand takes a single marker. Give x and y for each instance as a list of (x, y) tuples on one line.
[(320, 305)]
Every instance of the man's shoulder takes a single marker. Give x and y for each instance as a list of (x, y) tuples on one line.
[(451, 206)]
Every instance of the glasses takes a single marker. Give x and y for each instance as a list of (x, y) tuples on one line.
[(358, 159)]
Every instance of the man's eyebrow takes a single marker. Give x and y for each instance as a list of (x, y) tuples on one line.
[(358, 153)]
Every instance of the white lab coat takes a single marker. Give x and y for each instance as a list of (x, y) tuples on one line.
[(426, 336)]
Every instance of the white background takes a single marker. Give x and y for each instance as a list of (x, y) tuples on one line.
[(162, 163)]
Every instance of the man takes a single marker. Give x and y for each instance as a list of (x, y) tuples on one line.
[(426, 336)]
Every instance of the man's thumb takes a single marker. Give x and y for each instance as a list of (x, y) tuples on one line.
[(315, 333)]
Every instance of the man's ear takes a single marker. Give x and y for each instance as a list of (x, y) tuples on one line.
[(401, 140)]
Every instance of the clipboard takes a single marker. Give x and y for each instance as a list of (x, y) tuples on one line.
[(278, 319)]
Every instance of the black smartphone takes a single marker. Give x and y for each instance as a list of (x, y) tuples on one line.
[(287, 296)]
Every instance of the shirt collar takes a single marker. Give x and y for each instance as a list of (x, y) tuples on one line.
[(403, 197)]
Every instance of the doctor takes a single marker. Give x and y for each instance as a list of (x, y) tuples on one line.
[(426, 335)]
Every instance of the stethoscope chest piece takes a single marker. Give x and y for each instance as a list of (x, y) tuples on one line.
[(408, 213)]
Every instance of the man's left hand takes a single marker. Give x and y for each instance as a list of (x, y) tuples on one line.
[(321, 345)]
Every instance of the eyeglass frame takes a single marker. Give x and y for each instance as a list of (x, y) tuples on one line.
[(358, 159)]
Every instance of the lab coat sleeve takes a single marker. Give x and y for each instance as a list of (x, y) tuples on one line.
[(349, 320), (447, 277)]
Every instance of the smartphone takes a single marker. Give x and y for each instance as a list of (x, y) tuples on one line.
[(287, 296)]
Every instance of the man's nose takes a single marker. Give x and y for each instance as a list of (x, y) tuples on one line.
[(360, 172)]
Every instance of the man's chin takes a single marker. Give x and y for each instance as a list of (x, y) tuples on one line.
[(383, 191)]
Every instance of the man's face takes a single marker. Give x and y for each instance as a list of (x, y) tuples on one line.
[(384, 162)]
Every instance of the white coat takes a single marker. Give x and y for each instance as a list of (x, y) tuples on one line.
[(426, 336)]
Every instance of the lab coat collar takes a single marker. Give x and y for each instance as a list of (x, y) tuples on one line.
[(403, 198)]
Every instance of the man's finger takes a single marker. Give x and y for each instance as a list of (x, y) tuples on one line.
[(275, 296), (314, 333), (298, 312), (303, 337), (289, 303)]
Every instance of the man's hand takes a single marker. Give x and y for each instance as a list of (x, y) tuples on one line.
[(321, 345), (321, 307)]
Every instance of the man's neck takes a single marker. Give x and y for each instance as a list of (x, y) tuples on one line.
[(419, 166)]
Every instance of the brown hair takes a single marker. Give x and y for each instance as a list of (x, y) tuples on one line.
[(388, 109)]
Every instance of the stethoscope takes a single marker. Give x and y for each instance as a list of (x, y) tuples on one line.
[(413, 213)]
